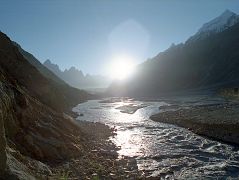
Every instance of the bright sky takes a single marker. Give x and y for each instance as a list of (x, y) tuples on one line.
[(88, 34)]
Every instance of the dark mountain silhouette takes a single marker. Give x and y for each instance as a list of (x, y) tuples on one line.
[(33, 120), (208, 60), (35, 62), (59, 86), (76, 78)]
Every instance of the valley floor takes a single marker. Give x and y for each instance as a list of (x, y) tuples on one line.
[(217, 121)]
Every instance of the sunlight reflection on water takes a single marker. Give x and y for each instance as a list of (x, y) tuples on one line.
[(162, 148)]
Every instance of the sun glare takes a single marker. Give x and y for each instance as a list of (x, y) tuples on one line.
[(122, 67)]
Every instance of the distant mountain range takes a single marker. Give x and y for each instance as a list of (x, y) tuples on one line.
[(77, 79), (209, 60)]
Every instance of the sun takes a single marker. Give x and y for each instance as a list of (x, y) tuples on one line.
[(122, 67)]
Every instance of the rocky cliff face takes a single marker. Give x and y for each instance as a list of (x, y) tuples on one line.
[(33, 125)]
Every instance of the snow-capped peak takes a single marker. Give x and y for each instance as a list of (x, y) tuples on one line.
[(225, 20), (219, 24)]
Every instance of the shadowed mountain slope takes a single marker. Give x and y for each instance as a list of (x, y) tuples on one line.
[(42, 69), (48, 88), (32, 120), (211, 62)]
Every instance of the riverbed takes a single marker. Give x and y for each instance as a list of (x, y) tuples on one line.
[(162, 149)]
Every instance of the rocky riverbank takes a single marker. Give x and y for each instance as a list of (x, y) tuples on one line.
[(218, 121), (99, 159)]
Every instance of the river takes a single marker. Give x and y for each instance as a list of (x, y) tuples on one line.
[(163, 149)]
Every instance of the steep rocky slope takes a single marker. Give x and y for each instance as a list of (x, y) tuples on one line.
[(31, 117), (28, 76), (36, 63)]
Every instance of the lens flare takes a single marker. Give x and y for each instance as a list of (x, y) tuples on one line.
[(122, 67)]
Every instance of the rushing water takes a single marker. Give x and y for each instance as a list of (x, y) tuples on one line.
[(163, 149)]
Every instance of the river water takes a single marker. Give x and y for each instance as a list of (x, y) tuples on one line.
[(161, 149)]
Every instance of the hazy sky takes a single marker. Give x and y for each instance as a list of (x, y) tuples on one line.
[(89, 34)]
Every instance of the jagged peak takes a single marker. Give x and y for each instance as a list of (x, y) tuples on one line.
[(51, 65), (228, 12), (48, 61), (73, 68), (220, 22), (216, 25)]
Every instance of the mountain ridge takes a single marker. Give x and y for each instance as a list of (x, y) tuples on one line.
[(36, 63), (76, 78), (216, 25), (204, 63)]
